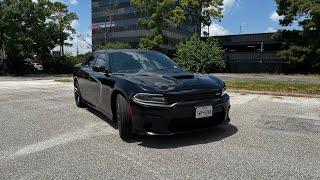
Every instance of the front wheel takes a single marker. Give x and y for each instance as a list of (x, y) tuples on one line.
[(77, 96), (124, 118)]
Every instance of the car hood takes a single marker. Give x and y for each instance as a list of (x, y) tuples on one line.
[(174, 82)]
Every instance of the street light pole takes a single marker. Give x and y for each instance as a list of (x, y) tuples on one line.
[(105, 29)]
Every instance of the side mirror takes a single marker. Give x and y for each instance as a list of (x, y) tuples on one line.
[(100, 69)]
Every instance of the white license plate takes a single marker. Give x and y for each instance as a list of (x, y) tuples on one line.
[(203, 112)]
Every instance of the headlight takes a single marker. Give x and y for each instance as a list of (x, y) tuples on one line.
[(224, 91), (149, 98)]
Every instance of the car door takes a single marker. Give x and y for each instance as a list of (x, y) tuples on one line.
[(85, 79), (103, 84)]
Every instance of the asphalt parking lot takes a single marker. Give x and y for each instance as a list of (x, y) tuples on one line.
[(43, 135)]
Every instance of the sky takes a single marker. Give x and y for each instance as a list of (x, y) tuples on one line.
[(253, 16)]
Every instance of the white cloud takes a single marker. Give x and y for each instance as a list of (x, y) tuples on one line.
[(274, 16), (228, 5), (75, 24), (69, 2), (74, 2), (217, 30), (82, 42), (270, 29)]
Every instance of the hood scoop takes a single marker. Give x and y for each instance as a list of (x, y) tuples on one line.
[(183, 76)]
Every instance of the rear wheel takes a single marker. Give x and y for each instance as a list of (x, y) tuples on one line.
[(124, 118), (77, 96)]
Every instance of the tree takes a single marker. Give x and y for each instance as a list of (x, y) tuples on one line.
[(28, 29), (115, 45), (85, 38), (63, 19), (44, 33), (15, 29), (200, 56), (108, 20), (162, 13), (301, 47), (2, 27)]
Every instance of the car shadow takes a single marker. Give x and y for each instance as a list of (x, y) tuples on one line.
[(210, 135), (103, 117)]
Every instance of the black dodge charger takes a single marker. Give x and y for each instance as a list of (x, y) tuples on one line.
[(147, 93)]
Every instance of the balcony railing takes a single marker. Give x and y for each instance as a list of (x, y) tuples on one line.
[(267, 38), (253, 57)]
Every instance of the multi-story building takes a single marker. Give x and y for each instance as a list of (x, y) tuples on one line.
[(117, 20), (253, 53)]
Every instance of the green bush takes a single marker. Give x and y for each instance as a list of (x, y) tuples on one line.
[(62, 65), (200, 56)]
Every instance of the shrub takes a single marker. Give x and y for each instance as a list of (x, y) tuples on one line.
[(200, 56), (62, 65)]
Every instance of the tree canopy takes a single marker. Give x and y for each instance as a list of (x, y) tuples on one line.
[(200, 56), (301, 47), (30, 28), (164, 13)]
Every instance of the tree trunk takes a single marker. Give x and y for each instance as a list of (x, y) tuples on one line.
[(62, 50)]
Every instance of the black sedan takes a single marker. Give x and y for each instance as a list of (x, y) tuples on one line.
[(145, 92)]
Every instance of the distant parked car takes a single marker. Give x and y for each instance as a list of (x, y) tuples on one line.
[(147, 93), (38, 66)]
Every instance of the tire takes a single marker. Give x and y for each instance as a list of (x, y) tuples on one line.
[(124, 118), (77, 96)]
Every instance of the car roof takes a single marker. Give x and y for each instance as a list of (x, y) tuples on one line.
[(122, 50)]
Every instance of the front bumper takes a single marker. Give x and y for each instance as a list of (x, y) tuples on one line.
[(179, 118)]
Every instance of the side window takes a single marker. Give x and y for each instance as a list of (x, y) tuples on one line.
[(102, 60), (89, 60)]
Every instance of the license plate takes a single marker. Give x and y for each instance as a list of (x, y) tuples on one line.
[(203, 112)]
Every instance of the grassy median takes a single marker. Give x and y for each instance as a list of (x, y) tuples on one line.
[(258, 85), (274, 86)]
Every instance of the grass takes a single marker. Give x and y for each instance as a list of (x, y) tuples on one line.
[(266, 86), (63, 80), (277, 87)]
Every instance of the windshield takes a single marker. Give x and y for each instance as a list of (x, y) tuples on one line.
[(134, 61)]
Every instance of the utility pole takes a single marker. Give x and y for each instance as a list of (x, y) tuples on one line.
[(105, 29), (240, 29), (77, 50)]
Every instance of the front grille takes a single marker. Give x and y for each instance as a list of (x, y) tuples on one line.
[(183, 97), (183, 125)]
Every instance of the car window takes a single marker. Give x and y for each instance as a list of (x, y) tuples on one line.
[(89, 61), (102, 60), (124, 62), (131, 61)]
